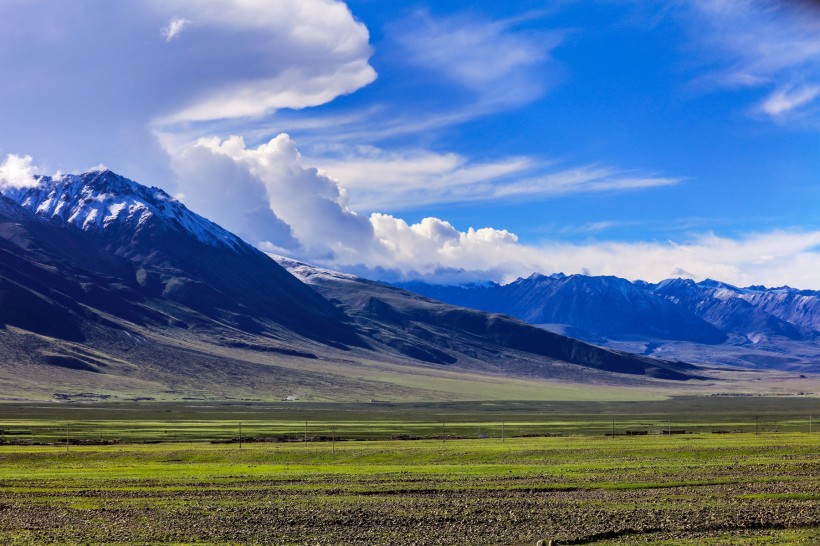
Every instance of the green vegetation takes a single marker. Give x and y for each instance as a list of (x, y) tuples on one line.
[(578, 488), (284, 421)]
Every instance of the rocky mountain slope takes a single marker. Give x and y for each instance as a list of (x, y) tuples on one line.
[(432, 331)]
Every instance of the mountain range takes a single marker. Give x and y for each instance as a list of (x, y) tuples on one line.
[(706, 322), (111, 289)]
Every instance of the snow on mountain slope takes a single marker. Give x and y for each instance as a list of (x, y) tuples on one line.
[(172, 255), (762, 327), (609, 307), (595, 307), (98, 200), (305, 271), (798, 307), (751, 311)]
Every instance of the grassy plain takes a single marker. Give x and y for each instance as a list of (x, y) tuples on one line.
[(193, 421), (578, 488)]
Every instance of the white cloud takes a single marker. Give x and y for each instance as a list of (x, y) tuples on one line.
[(99, 167), (378, 179), (784, 100), (585, 179), (491, 58), (270, 181), (18, 171), (304, 53), (307, 217), (294, 88), (434, 250), (223, 190), (114, 67), (773, 258), (773, 45), (174, 27)]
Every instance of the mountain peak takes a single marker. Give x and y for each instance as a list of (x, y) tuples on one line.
[(711, 283), (100, 201)]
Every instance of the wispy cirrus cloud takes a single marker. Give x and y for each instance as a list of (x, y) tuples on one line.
[(763, 44), (174, 28), (584, 179), (376, 179), (493, 58), (785, 99)]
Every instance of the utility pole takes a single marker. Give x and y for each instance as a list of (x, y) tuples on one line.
[(502, 431), (757, 423), (240, 435)]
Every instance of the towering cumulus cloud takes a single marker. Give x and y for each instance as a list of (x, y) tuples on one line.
[(270, 197), (271, 175)]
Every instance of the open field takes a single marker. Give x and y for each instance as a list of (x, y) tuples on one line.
[(753, 489), (288, 421), (578, 488)]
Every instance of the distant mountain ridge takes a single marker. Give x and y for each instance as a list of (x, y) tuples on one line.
[(752, 311), (596, 308), (599, 306), (435, 332)]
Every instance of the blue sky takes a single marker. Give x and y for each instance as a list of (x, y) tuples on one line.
[(449, 141)]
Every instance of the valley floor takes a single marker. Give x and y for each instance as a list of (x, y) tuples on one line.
[(582, 487)]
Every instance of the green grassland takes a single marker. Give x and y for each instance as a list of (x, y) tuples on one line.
[(285, 421), (351, 484)]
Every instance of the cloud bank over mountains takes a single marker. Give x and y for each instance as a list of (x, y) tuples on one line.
[(310, 218)]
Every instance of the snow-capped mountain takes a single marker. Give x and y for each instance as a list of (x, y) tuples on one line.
[(674, 309), (707, 321), (751, 312), (592, 307), (171, 254), (103, 200)]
